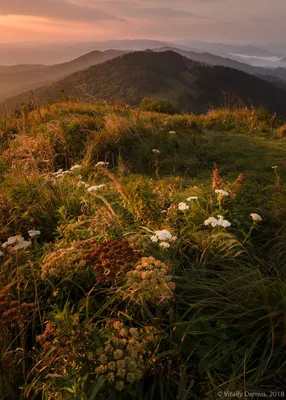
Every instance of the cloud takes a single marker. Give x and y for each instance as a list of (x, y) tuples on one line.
[(138, 10), (55, 9)]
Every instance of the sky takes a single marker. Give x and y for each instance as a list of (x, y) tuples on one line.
[(234, 21)]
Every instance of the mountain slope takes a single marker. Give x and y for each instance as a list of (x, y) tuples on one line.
[(17, 79), (212, 59), (190, 85)]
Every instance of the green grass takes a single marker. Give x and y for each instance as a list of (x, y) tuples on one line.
[(205, 315)]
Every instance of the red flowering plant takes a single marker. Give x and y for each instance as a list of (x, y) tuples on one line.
[(112, 259)]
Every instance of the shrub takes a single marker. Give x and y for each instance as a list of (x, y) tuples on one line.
[(160, 106)]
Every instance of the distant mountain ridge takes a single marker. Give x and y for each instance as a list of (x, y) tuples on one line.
[(18, 79), (189, 84), (213, 59)]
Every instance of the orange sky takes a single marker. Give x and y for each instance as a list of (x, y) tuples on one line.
[(70, 20)]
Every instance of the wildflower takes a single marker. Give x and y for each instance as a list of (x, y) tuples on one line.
[(223, 222), (165, 245), (150, 275), (82, 184), (102, 163), (60, 171), (131, 377), (164, 234), (33, 233), (192, 198), (214, 222), (95, 188), (256, 217), (110, 377), (118, 354), (75, 167), (222, 193), (154, 239), (183, 206), (103, 359), (211, 221), (217, 181), (13, 240), (156, 151), (119, 386), (22, 245), (111, 366)]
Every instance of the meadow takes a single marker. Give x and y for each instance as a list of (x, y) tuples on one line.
[(143, 254)]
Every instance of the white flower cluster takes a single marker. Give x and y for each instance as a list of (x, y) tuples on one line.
[(183, 206), (220, 221), (60, 173), (163, 237), (222, 193), (18, 242), (256, 217), (34, 233), (150, 280), (95, 188), (83, 184)]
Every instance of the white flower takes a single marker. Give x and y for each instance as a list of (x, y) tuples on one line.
[(154, 239), (256, 217), (95, 188), (75, 167), (103, 163), (222, 193), (163, 235), (156, 151), (211, 221), (274, 167), (223, 222), (22, 245), (172, 132), (33, 233), (58, 172), (82, 184), (183, 206), (163, 211), (165, 245), (192, 198), (14, 240), (218, 222)]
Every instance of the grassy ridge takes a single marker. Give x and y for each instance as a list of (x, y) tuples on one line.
[(99, 305)]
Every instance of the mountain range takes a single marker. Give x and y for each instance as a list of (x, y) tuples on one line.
[(20, 78), (17, 79), (190, 85)]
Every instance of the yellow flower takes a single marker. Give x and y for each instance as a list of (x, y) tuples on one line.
[(110, 377), (103, 358), (121, 364), (119, 386), (121, 372), (111, 366), (118, 354), (131, 377)]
